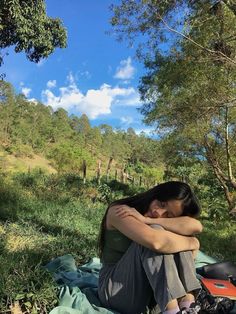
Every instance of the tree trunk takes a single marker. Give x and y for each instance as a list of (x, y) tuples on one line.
[(223, 179)]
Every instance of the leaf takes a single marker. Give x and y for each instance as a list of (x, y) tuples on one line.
[(28, 304), (20, 296)]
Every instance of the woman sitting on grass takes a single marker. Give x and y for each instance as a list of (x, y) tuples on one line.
[(147, 247)]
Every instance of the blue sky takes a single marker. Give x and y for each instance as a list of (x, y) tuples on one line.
[(95, 74)]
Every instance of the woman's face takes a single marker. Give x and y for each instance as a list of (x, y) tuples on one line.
[(169, 209)]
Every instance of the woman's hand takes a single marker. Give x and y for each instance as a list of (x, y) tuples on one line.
[(124, 211), (196, 245)]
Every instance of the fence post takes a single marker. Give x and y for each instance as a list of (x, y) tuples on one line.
[(84, 169), (99, 172), (140, 180), (124, 176), (109, 167)]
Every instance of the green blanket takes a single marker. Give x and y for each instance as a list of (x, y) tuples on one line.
[(78, 285)]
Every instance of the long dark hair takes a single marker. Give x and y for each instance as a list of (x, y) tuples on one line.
[(172, 190)]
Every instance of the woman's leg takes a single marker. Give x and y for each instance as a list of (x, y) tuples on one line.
[(124, 286), (129, 285), (171, 276)]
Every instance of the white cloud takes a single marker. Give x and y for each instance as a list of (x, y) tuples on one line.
[(133, 99), (51, 83), (85, 74), (94, 102), (71, 79), (33, 100), (26, 91), (127, 120), (125, 70), (147, 131)]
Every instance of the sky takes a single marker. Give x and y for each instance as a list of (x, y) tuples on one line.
[(95, 74)]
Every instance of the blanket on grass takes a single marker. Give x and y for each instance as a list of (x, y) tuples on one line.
[(78, 285)]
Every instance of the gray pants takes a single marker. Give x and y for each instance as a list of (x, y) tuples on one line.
[(141, 274)]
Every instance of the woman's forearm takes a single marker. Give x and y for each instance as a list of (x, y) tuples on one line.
[(181, 225), (169, 242)]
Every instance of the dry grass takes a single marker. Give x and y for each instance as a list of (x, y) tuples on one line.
[(15, 308), (14, 164)]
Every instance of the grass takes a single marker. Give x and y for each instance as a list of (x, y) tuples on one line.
[(44, 217), (32, 240), (36, 226), (218, 239)]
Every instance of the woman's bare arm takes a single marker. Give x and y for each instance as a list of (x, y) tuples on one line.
[(183, 225), (162, 241)]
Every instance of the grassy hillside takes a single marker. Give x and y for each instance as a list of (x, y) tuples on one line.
[(21, 163), (11, 163)]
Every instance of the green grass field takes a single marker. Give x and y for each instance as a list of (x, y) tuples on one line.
[(40, 220)]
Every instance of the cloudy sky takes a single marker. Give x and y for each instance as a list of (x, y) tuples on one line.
[(95, 74)]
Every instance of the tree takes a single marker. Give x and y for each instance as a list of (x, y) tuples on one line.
[(25, 25), (183, 97), (7, 107), (165, 22), (61, 125), (189, 87)]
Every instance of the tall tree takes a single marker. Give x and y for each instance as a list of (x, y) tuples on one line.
[(189, 87), (7, 107), (25, 25)]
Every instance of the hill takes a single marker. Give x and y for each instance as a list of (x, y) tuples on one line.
[(33, 135), (11, 163)]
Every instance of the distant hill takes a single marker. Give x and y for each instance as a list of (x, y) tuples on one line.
[(34, 135)]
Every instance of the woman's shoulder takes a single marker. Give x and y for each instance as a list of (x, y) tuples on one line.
[(110, 213)]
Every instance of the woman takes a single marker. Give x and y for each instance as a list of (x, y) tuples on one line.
[(147, 245)]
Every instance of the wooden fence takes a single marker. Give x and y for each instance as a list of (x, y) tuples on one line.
[(120, 175)]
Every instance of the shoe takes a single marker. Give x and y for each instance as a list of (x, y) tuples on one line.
[(193, 309)]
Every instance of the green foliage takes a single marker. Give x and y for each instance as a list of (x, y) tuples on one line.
[(105, 192), (25, 25), (20, 150), (33, 179), (68, 157)]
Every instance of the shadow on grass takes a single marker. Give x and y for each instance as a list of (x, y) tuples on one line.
[(22, 271)]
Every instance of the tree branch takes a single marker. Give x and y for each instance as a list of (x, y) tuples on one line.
[(231, 5), (214, 52)]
